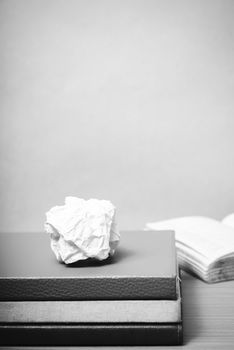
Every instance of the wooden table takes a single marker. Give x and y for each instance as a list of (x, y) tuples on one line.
[(208, 315)]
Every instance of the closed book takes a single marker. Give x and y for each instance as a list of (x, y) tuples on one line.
[(91, 334), (104, 311), (143, 268)]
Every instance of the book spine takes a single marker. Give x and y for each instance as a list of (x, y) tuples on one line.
[(91, 334), (113, 288)]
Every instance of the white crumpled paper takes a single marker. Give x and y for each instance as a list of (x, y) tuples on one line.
[(82, 229)]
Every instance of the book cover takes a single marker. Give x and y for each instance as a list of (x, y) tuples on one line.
[(144, 267), (91, 334)]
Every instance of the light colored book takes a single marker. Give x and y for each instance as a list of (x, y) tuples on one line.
[(205, 246), (93, 311)]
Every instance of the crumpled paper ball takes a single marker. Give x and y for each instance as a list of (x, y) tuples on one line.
[(82, 229)]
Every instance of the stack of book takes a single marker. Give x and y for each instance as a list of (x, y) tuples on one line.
[(133, 298)]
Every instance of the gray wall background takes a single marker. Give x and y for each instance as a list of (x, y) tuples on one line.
[(130, 101)]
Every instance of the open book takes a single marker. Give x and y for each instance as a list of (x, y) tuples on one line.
[(205, 246)]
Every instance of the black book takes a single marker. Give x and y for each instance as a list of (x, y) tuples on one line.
[(91, 334), (143, 268)]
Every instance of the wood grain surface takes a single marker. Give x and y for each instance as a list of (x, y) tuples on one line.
[(208, 316)]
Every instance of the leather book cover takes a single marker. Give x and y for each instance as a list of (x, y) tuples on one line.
[(91, 334), (143, 267)]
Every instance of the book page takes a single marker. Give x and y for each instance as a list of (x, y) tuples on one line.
[(208, 237)]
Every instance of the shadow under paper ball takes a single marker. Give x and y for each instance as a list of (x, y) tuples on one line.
[(120, 254)]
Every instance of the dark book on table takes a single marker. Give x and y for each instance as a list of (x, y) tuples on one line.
[(144, 267), (91, 334)]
